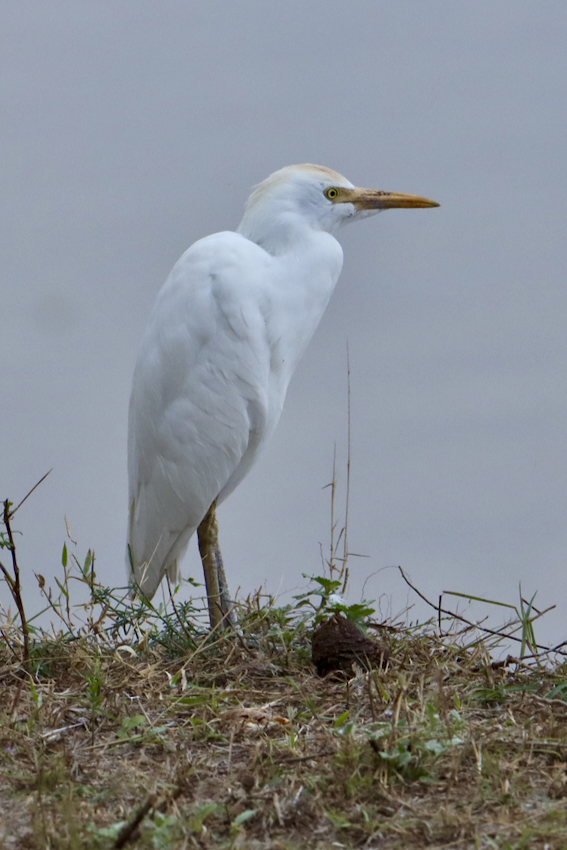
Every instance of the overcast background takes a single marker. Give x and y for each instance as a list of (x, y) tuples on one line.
[(131, 129)]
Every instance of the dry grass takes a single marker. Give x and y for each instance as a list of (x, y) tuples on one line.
[(131, 727)]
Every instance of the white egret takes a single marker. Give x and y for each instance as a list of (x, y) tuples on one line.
[(227, 331)]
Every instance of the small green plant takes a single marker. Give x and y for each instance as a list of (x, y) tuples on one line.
[(237, 825), (525, 616), (408, 750), (326, 591), (94, 696)]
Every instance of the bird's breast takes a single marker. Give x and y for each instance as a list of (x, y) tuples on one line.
[(302, 284)]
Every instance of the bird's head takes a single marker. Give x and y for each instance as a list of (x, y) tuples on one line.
[(312, 197)]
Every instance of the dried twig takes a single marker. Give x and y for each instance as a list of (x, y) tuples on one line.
[(35, 486), (495, 633), (14, 582), (128, 832), (344, 575)]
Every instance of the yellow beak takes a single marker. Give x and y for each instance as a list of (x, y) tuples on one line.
[(374, 199)]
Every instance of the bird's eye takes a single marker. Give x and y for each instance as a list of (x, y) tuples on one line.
[(331, 193)]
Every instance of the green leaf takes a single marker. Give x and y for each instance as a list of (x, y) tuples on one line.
[(338, 819), (198, 818), (244, 816), (341, 720), (63, 589), (133, 722)]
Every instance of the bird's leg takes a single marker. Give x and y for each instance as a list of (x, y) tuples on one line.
[(208, 537), (225, 604), (215, 578)]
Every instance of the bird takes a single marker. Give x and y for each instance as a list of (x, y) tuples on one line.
[(227, 331)]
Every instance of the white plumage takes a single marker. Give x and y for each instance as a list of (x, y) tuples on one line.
[(227, 331)]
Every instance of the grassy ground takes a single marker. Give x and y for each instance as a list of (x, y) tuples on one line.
[(128, 726)]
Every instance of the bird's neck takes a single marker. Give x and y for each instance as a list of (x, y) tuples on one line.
[(284, 234)]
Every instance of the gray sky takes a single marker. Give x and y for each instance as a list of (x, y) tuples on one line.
[(131, 129)]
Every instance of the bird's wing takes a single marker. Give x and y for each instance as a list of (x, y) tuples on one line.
[(199, 398)]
